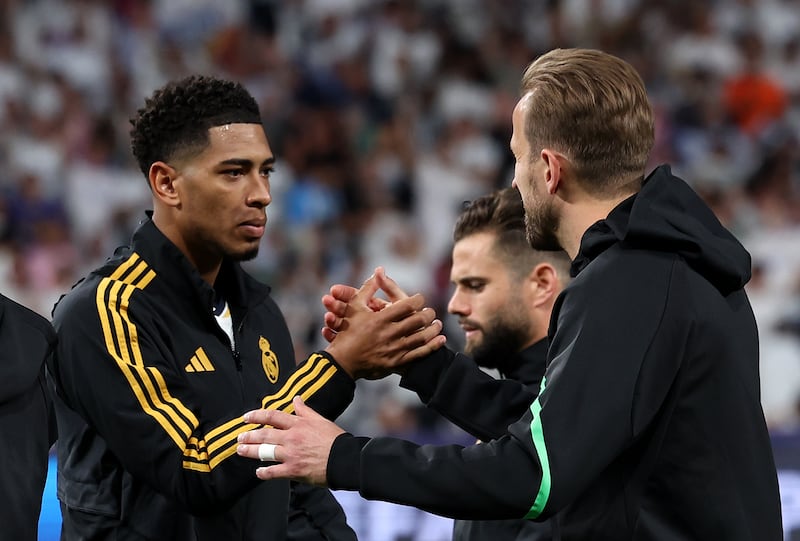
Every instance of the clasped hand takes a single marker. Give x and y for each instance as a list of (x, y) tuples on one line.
[(371, 337)]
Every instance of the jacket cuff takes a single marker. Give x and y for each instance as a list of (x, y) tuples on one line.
[(344, 462), (340, 371), (335, 388), (423, 376)]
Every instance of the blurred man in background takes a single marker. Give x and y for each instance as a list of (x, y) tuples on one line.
[(504, 295)]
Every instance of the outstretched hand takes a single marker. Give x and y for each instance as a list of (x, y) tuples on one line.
[(302, 443), (371, 337)]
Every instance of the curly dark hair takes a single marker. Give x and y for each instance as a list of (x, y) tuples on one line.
[(175, 120)]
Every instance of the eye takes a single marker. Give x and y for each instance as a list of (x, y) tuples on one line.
[(475, 285), (233, 173), (267, 171)]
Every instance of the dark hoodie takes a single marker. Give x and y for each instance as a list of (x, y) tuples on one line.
[(649, 423), (26, 432)]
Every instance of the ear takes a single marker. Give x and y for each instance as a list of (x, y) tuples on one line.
[(162, 183), (547, 284), (553, 170)]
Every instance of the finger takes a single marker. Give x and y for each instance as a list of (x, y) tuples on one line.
[(343, 292), (404, 308), (428, 340), (328, 334), (365, 292), (277, 471), (302, 411), (333, 305), (300, 408), (376, 304), (332, 321), (413, 322), (389, 286), (275, 418), (265, 434), (422, 335), (250, 450)]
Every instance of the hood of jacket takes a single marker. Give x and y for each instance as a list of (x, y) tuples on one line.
[(667, 215)]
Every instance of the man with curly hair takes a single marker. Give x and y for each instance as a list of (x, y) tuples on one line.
[(165, 346)]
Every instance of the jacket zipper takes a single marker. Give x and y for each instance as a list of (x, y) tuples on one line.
[(235, 345)]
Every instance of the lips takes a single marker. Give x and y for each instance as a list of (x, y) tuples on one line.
[(254, 228), (469, 329)]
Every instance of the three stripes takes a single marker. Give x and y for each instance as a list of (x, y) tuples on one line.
[(201, 452)]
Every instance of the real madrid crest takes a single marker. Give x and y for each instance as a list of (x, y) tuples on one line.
[(269, 361)]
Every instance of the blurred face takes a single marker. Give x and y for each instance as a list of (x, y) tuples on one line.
[(488, 301), (541, 222), (224, 192)]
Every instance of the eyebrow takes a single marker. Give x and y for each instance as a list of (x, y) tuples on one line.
[(242, 162)]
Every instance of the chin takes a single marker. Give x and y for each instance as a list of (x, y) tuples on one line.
[(244, 255)]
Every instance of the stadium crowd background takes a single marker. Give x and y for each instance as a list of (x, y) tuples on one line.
[(385, 115)]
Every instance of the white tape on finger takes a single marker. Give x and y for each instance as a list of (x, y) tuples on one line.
[(266, 452)]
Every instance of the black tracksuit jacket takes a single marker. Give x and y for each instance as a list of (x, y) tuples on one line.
[(150, 397), (26, 425), (526, 367), (649, 423)]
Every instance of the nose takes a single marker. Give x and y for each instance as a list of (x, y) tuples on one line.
[(456, 306), (259, 195)]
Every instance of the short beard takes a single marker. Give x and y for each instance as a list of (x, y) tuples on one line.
[(245, 256), (541, 226), (501, 341)]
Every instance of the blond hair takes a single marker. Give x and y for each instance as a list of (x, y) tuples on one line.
[(593, 108)]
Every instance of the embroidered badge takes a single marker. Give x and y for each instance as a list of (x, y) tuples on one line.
[(269, 361)]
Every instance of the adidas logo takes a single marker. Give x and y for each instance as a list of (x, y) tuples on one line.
[(199, 362)]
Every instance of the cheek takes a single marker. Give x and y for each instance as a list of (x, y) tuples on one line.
[(519, 176), (484, 306)]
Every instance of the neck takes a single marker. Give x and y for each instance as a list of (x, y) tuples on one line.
[(579, 217), (208, 267)]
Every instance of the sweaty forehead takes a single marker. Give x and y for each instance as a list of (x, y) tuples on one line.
[(243, 142), (237, 135)]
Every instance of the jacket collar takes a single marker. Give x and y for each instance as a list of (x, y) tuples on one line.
[(181, 276), (528, 365)]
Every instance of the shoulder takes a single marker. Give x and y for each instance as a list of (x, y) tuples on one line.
[(24, 320), (621, 269)]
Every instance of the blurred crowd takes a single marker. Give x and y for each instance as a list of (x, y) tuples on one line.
[(385, 115)]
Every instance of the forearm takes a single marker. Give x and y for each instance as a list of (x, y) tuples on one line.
[(454, 481), (454, 386)]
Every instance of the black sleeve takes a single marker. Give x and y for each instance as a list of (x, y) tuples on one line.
[(315, 515), (615, 358), (454, 386), (26, 340), (450, 480)]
